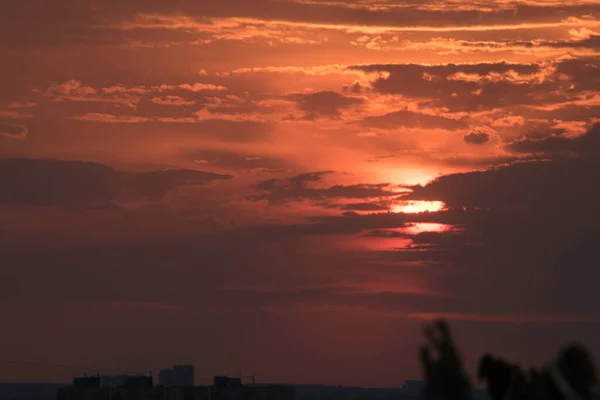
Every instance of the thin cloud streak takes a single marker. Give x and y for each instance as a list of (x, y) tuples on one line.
[(217, 25)]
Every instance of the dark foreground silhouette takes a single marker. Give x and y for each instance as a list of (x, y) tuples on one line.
[(572, 376)]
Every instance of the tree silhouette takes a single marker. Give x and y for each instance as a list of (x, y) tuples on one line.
[(445, 378)]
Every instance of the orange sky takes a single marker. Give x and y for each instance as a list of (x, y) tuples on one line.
[(247, 181)]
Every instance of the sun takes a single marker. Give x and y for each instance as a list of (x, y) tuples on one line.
[(418, 206)]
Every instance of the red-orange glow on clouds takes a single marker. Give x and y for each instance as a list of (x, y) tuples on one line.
[(418, 206), (278, 176)]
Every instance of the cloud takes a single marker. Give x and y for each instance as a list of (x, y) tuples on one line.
[(196, 87), (554, 241), (22, 104), (365, 207), (487, 86), (140, 90), (477, 137), (247, 28), (586, 145), (164, 26), (579, 34), (326, 104), (584, 39), (14, 115), (296, 188), (525, 184), (206, 114), (86, 184), (71, 87), (75, 90), (13, 131), (112, 119), (412, 119), (172, 101), (239, 128), (347, 223), (237, 160), (331, 70), (548, 255), (356, 87), (589, 40)]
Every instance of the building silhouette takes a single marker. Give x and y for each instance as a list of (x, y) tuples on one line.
[(178, 375), (29, 391), (109, 388), (413, 389), (174, 384), (225, 388)]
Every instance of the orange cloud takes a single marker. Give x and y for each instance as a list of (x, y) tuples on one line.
[(74, 90), (439, 6), (14, 115), (13, 131), (123, 89), (22, 104), (109, 118), (235, 28), (172, 101), (196, 87)]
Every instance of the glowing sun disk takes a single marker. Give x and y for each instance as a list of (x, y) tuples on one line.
[(418, 206)]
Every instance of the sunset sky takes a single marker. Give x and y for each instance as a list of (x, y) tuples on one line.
[(293, 187)]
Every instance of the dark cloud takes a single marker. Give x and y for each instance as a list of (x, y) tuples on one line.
[(365, 207), (412, 119), (437, 73), (583, 73), (86, 184), (521, 185), (477, 137), (502, 187), (78, 22), (384, 233), (531, 226), (324, 104), (571, 112), (237, 161), (356, 87), (585, 145), (13, 131), (302, 179), (296, 189), (154, 185), (592, 42), (482, 86), (297, 181), (349, 222), (459, 160)]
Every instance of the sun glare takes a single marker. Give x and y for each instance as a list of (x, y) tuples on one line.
[(421, 227), (418, 206)]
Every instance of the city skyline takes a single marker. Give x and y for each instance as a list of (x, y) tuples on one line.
[(294, 187)]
